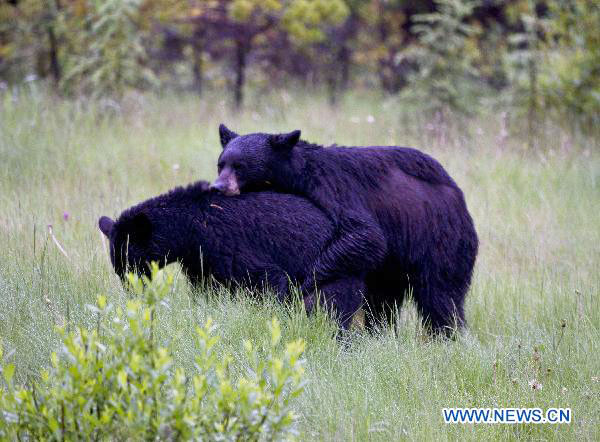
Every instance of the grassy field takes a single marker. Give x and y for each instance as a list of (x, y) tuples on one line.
[(533, 310)]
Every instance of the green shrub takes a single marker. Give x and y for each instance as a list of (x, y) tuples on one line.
[(117, 382), (446, 79), (104, 52), (571, 78)]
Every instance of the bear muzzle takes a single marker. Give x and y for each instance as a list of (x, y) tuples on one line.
[(226, 183)]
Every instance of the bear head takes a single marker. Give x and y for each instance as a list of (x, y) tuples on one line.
[(248, 162), (134, 243)]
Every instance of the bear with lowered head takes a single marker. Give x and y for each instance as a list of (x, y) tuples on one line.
[(249, 240)]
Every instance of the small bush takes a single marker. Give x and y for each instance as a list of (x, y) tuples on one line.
[(117, 382)]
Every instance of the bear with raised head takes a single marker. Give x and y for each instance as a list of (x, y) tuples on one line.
[(400, 220)]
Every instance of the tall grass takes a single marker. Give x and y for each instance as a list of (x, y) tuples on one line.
[(532, 311)]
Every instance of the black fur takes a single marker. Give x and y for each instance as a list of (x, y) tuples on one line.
[(401, 221), (255, 239)]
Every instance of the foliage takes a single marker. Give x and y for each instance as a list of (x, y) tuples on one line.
[(302, 19), (255, 23), (571, 80), (117, 382), (536, 213), (104, 54), (27, 36), (553, 61), (525, 59), (442, 54), (444, 80)]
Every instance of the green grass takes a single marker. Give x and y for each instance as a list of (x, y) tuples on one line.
[(537, 215)]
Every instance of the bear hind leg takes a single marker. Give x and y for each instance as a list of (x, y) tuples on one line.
[(441, 312)]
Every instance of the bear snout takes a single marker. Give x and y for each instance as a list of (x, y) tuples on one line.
[(226, 183)]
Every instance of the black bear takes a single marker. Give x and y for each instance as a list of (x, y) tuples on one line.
[(401, 221), (256, 239)]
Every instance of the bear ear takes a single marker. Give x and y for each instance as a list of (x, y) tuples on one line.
[(106, 224), (226, 135), (285, 141)]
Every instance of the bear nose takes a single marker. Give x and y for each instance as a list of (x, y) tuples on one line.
[(217, 186)]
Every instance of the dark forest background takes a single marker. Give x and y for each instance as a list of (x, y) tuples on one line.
[(448, 56)]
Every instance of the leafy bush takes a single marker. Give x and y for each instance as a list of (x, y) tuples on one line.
[(105, 53), (117, 382), (571, 78), (554, 63)]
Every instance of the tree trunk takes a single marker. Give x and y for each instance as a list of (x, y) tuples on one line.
[(242, 50), (55, 70), (332, 87), (533, 102), (197, 68), (532, 111), (53, 55), (344, 59)]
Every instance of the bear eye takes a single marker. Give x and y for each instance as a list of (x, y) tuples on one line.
[(220, 166), (238, 166)]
